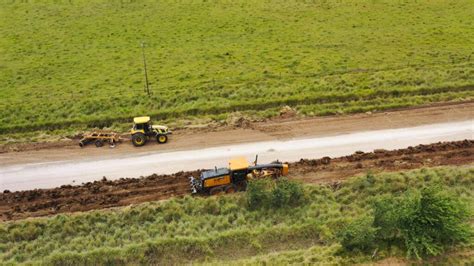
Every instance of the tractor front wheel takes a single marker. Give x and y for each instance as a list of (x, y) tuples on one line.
[(138, 139), (161, 139)]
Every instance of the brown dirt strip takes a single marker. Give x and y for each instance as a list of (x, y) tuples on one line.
[(125, 191)]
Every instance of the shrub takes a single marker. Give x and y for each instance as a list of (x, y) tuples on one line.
[(282, 193), (358, 235), (431, 220), (287, 193), (424, 221), (257, 193)]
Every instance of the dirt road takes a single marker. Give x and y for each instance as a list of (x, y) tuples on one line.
[(70, 172), (286, 140), (106, 193)]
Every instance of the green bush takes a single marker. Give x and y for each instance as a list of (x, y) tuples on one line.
[(424, 221), (431, 220), (359, 235), (287, 193), (258, 194), (277, 194)]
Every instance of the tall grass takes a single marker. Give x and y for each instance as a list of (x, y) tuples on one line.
[(218, 229), (78, 63)]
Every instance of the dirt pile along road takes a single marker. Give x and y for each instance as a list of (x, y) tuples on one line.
[(125, 191)]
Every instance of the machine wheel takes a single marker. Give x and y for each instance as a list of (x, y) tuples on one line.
[(161, 139), (230, 189), (216, 191), (138, 139), (81, 144), (242, 185), (99, 143)]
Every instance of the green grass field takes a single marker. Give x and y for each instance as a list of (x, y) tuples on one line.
[(223, 229), (78, 63)]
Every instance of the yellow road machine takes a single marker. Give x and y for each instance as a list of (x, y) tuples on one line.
[(235, 177), (143, 130)]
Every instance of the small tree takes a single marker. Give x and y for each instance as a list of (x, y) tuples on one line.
[(425, 221), (258, 194), (287, 193), (278, 194), (358, 235)]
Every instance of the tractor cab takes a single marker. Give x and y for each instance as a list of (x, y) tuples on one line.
[(143, 129), (142, 124)]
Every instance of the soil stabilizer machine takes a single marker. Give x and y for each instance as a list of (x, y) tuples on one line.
[(235, 177), (143, 130)]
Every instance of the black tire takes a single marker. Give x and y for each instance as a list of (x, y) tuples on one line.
[(99, 143), (216, 191), (231, 189), (242, 185), (81, 144), (138, 139), (161, 139)]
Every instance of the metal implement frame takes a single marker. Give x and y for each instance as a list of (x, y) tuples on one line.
[(100, 137)]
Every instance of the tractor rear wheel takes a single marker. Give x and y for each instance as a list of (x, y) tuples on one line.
[(138, 139), (216, 191), (161, 139)]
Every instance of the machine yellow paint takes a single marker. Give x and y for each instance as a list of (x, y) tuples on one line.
[(133, 131), (162, 138), (235, 177), (218, 181), (141, 119), (238, 164), (284, 170), (143, 130)]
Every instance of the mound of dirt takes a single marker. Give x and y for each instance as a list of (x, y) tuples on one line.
[(327, 170), (238, 120), (288, 112)]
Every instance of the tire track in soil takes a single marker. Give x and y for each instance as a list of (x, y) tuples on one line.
[(126, 191)]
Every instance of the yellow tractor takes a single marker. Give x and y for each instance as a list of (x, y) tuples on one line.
[(143, 130), (235, 177)]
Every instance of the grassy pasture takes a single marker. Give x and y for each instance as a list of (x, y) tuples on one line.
[(222, 229), (78, 63)]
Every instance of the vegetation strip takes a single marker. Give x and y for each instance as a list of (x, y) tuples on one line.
[(225, 228)]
